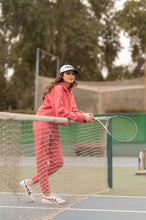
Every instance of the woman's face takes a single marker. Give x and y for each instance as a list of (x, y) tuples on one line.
[(69, 77)]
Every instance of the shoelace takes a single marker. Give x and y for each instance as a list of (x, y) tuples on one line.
[(52, 199), (28, 190)]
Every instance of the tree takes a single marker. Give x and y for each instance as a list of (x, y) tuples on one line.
[(26, 26), (3, 83), (64, 28), (119, 73), (133, 20), (108, 34), (75, 38), (85, 36)]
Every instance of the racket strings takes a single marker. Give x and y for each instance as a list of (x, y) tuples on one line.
[(123, 129)]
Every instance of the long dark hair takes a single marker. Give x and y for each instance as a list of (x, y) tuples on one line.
[(55, 82)]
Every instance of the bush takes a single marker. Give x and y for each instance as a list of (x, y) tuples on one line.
[(22, 111), (125, 109)]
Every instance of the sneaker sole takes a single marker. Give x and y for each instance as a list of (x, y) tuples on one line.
[(24, 188)]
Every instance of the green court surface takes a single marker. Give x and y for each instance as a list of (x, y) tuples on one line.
[(127, 183), (78, 180), (125, 180)]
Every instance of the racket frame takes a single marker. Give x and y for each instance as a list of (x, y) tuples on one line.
[(100, 119)]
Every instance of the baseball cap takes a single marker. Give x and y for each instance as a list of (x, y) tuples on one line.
[(65, 68)]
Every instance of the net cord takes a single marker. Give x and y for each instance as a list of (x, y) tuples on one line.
[(29, 117)]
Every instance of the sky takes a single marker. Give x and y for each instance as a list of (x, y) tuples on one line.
[(124, 56)]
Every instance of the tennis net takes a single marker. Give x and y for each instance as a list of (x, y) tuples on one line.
[(84, 173)]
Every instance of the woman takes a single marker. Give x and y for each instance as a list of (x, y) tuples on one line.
[(58, 102)]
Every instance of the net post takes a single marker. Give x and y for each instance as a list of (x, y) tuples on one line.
[(109, 158)]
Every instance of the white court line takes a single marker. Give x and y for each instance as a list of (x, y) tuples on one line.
[(85, 210), (108, 210), (89, 196), (116, 196), (25, 207), (77, 209)]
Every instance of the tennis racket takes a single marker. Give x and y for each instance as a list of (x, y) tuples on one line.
[(121, 128)]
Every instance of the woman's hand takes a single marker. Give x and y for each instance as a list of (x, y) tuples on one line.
[(89, 117)]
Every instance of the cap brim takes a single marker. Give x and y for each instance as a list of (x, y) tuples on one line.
[(76, 71)]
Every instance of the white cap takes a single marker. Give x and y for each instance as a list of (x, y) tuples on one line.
[(65, 68)]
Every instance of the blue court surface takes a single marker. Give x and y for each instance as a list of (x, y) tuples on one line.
[(107, 207), (92, 208)]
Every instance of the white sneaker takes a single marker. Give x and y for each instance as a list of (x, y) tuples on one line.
[(53, 199), (28, 190)]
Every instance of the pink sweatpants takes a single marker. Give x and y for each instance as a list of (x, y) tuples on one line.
[(47, 149)]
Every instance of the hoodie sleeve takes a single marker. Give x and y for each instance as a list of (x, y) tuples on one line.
[(62, 111)]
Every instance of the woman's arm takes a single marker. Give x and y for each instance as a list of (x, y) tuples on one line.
[(61, 110)]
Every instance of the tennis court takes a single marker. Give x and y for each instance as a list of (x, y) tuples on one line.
[(83, 181), (94, 207), (126, 200)]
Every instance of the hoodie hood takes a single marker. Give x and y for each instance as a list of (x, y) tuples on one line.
[(67, 90)]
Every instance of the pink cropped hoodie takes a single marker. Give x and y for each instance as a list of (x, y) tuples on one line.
[(60, 102)]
